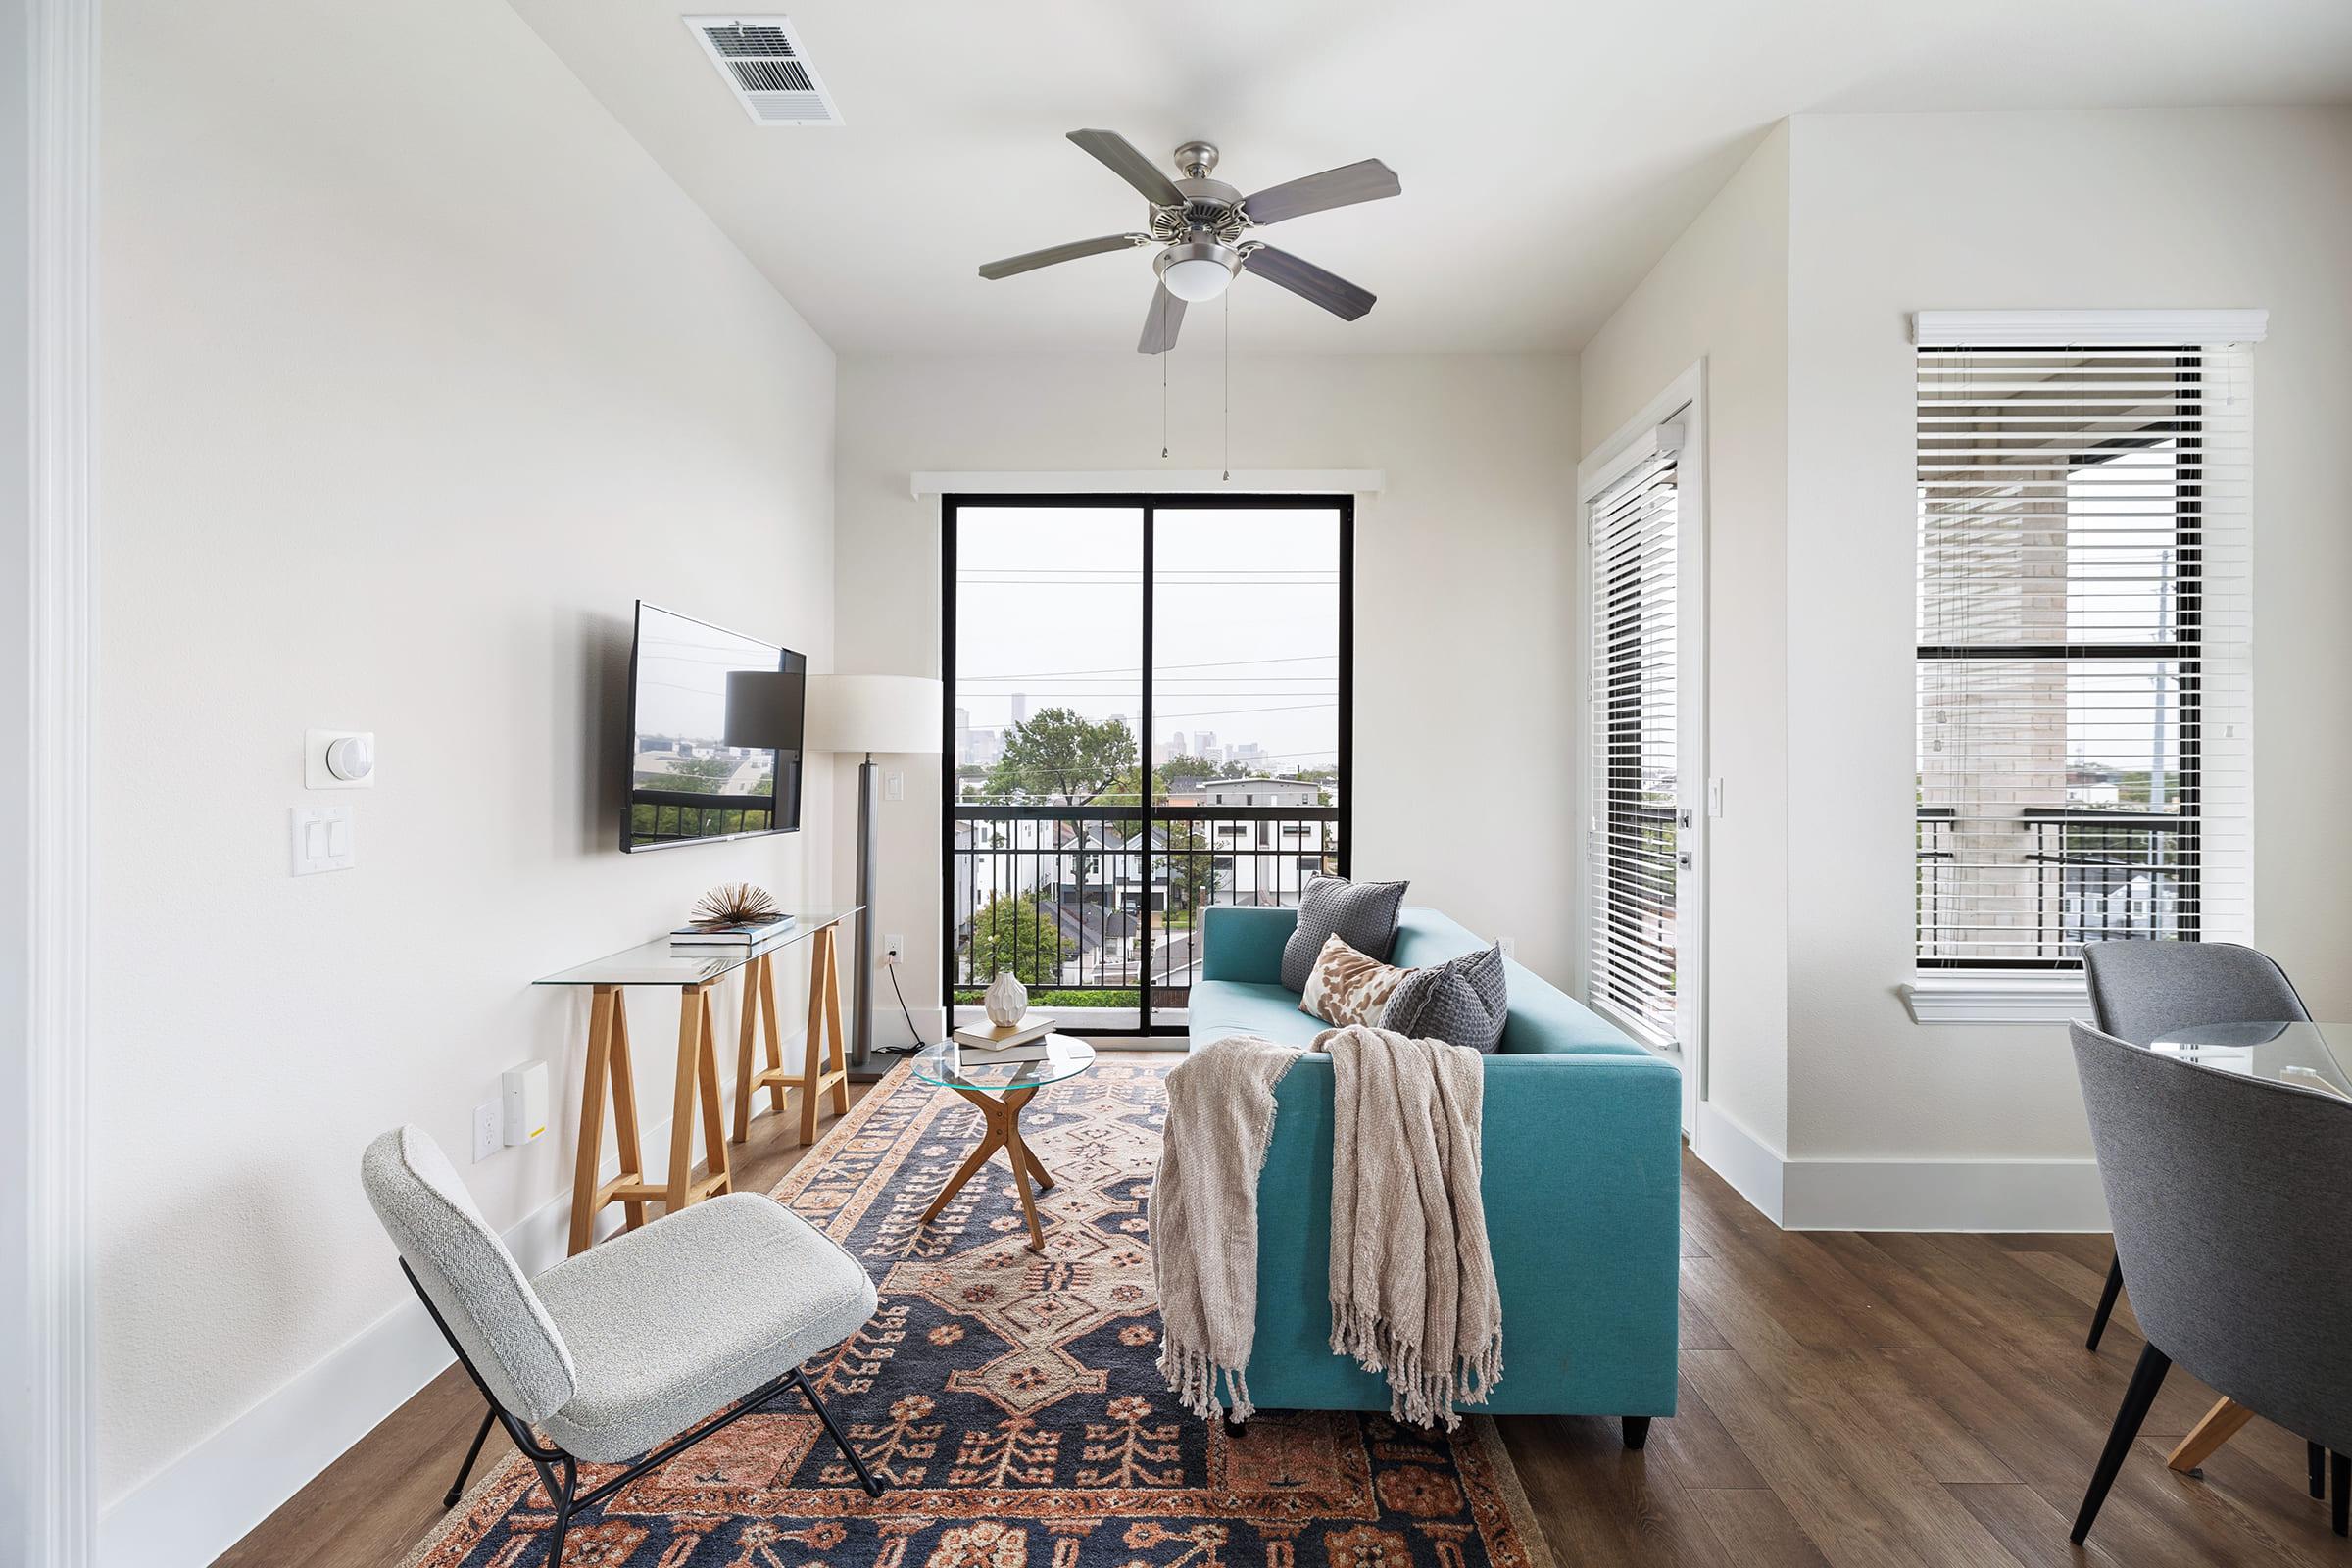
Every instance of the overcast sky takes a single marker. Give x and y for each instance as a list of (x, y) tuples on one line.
[(1245, 620)]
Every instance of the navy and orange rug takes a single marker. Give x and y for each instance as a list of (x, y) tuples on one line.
[(1010, 1403)]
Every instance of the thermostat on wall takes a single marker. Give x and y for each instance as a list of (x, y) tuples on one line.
[(522, 1095)]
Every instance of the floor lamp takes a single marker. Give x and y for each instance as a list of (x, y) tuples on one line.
[(870, 713)]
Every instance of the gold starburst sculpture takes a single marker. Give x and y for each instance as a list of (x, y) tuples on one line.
[(734, 903)]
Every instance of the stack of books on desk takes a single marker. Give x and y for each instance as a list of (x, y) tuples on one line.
[(1026, 1041), (739, 934)]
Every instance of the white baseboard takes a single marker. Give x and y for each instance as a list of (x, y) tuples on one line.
[(1900, 1195), (1751, 1165), (1943, 1194), (207, 1499)]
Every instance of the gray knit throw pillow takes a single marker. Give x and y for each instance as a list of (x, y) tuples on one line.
[(1362, 914), (1463, 1001)]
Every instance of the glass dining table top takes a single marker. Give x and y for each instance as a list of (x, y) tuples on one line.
[(950, 1067), (2307, 1056), (658, 964)]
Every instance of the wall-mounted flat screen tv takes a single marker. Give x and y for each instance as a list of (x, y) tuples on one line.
[(714, 734)]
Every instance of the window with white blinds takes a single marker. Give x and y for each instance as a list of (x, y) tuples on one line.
[(2084, 694), (1633, 541)]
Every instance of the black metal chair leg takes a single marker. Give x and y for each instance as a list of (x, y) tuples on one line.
[(866, 1477), (2146, 1379), (2098, 1319), (1636, 1430), (2339, 1472), (554, 1550), (2318, 1457), (456, 1488)]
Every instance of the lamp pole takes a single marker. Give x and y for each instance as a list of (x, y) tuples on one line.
[(862, 1041)]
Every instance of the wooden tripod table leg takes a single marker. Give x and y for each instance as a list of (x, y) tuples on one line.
[(1017, 1155), (2205, 1439), (1001, 1118)]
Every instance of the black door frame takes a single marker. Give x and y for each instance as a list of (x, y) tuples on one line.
[(1150, 504)]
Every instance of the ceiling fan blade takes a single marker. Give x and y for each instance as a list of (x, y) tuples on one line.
[(1161, 324), (1119, 154), (1060, 253), (1309, 282), (1367, 181)]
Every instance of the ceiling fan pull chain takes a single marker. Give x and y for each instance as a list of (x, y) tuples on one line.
[(1225, 362), (1163, 374)]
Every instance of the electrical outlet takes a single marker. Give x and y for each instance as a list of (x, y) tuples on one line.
[(1509, 945), (893, 949), (489, 1133)]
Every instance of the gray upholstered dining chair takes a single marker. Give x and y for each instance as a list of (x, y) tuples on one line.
[(652, 1341), (2141, 990), (2227, 1194)]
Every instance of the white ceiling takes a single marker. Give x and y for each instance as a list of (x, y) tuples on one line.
[(1549, 149)]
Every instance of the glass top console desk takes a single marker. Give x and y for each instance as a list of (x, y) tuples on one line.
[(693, 972)]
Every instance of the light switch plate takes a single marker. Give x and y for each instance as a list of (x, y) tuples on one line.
[(321, 839), (315, 774), (894, 785)]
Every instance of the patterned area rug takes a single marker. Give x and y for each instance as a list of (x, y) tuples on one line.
[(1009, 1401)]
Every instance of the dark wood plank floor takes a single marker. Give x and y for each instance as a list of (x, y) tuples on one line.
[(1858, 1400)]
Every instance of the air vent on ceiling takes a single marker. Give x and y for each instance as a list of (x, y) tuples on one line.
[(761, 60)]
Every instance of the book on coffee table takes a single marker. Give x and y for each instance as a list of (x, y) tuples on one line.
[(1045, 1047), (1003, 1036)]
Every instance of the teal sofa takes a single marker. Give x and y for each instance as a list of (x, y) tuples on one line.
[(1581, 1174)]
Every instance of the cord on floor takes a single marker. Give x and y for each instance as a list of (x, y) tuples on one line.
[(908, 1014)]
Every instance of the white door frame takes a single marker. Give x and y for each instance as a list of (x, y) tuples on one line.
[(1683, 402), (48, 588)]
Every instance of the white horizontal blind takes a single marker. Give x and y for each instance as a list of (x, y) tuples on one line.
[(1633, 540), (2084, 691)]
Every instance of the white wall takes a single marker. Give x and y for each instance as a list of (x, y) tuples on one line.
[(1796, 285), (1463, 636), (1720, 293), (416, 372), (1890, 213)]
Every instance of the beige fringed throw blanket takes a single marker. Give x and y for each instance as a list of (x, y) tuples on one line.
[(1412, 1284), (1205, 1217)]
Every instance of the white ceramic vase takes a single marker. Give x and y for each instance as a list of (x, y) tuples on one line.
[(1007, 1000)]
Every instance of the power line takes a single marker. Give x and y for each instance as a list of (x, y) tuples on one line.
[(1129, 669)]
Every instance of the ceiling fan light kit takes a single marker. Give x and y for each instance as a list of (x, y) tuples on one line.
[(1201, 225)]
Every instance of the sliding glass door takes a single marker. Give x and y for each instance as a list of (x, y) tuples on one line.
[(1149, 714)]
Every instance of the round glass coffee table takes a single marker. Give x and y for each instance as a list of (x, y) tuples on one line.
[(1001, 1088)]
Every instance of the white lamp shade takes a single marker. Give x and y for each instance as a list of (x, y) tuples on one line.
[(874, 713)]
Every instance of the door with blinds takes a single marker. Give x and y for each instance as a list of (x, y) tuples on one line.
[(1644, 745)]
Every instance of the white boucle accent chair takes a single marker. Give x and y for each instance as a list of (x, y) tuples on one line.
[(641, 1345)]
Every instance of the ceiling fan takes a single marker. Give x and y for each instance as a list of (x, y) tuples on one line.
[(1202, 227)]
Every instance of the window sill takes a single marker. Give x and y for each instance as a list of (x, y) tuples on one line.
[(1994, 998)]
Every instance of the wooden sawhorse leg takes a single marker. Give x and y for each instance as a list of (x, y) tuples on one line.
[(609, 1075), (824, 1068), (697, 1070), (759, 1015)]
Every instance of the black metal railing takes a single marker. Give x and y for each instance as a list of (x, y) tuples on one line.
[(1090, 899), (2090, 875), (658, 815)]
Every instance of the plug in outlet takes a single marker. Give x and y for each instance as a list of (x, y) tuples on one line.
[(488, 1132), (893, 949)]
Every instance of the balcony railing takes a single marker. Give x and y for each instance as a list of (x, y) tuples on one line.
[(1080, 898), (2076, 876)]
